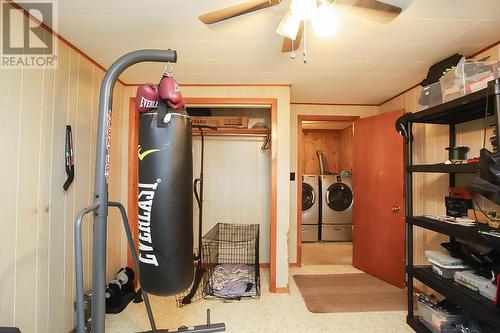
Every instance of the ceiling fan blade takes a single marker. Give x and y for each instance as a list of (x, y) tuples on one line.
[(371, 9), (237, 10), (287, 43)]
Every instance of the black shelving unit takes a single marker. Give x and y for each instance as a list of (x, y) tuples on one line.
[(444, 168), (470, 234), (464, 109), (472, 303), (417, 325)]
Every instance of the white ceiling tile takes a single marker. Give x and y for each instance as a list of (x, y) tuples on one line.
[(377, 53), (483, 32), (429, 32), (473, 9), (428, 9), (234, 49), (365, 62), (96, 7)]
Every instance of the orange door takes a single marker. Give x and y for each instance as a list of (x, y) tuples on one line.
[(379, 228)]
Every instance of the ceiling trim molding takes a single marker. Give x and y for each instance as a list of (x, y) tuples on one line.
[(288, 85), (416, 85), (484, 50), (323, 130), (310, 117), (58, 36), (332, 104)]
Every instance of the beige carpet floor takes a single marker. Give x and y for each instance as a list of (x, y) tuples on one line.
[(332, 293), (327, 253), (271, 313)]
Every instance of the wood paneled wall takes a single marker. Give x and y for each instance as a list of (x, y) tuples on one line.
[(336, 146), (346, 152), (37, 267)]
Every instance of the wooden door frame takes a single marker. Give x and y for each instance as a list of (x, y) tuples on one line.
[(300, 119), (132, 169), (132, 175)]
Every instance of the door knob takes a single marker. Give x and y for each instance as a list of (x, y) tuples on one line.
[(396, 209)]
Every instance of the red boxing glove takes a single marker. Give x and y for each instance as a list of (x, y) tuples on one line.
[(171, 93), (179, 105), (147, 97)]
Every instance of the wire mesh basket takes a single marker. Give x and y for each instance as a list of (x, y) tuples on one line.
[(229, 267), (231, 260)]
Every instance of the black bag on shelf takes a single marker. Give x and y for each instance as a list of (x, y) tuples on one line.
[(487, 183), (438, 69), (484, 263)]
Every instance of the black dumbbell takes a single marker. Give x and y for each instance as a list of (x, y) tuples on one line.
[(126, 278), (114, 293)]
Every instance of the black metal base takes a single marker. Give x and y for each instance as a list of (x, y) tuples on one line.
[(218, 327), (207, 328), (416, 325)]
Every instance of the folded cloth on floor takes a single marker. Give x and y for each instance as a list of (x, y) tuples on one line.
[(233, 281), (234, 290)]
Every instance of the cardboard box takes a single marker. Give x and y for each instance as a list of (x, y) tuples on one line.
[(222, 122)]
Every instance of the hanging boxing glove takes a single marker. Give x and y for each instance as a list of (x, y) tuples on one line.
[(170, 91), (179, 105), (147, 97)]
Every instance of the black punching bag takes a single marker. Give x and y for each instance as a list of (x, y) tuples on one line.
[(165, 221)]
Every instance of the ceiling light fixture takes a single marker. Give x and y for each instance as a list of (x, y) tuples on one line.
[(324, 20), (289, 26), (303, 9), (322, 15)]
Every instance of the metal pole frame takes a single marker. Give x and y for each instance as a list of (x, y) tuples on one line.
[(102, 167), (409, 215), (131, 245)]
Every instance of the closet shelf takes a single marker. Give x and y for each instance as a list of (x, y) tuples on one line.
[(474, 304), (234, 131), (444, 168)]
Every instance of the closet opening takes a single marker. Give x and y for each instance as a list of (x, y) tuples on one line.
[(240, 168)]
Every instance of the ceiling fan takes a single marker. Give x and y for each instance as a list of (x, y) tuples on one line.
[(321, 12)]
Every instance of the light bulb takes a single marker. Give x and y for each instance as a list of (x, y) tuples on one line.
[(324, 20), (289, 26), (303, 9)]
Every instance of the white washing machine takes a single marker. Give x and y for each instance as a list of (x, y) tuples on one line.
[(310, 208), (337, 207)]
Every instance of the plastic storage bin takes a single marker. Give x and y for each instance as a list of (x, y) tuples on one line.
[(443, 259), (467, 77), (445, 265), (438, 322), (478, 283), (447, 273)]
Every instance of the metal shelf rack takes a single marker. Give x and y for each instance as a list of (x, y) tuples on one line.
[(467, 108)]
